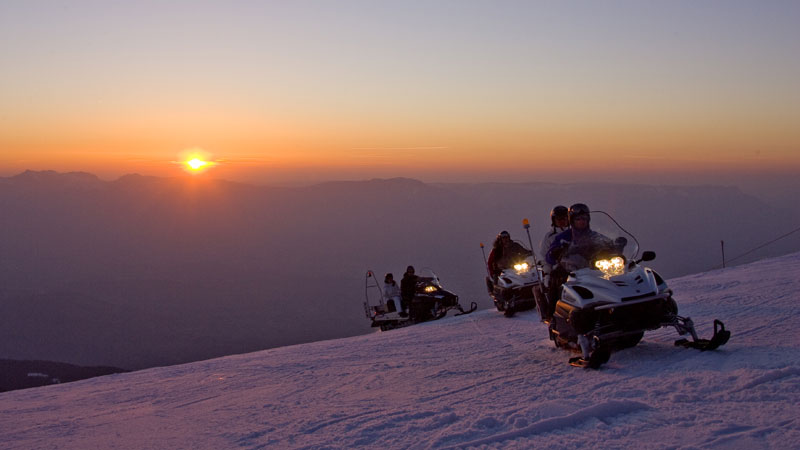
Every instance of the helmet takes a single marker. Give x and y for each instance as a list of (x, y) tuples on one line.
[(557, 212), (578, 209), (498, 241)]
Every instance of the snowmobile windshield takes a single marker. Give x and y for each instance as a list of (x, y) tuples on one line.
[(619, 241), (521, 264), (428, 281), (605, 245)]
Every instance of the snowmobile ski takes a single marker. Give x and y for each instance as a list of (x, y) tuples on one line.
[(472, 307), (720, 337)]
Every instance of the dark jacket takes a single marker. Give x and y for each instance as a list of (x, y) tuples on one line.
[(503, 258), (408, 286)]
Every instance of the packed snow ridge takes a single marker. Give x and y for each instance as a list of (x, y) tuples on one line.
[(474, 381)]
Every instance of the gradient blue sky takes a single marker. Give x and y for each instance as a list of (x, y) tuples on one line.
[(441, 90)]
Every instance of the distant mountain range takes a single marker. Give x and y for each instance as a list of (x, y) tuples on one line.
[(146, 271)]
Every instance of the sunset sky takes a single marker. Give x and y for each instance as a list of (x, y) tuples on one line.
[(286, 91)]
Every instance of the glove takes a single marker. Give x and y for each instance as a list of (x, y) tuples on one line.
[(558, 251)]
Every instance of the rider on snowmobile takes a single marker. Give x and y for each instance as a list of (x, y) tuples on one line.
[(575, 248), (559, 221), (505, 253), (391, 292)]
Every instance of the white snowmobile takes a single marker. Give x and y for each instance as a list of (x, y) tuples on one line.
[(609, 299), (431, 302), (515, 288)]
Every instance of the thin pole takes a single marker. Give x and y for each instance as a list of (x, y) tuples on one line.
[(485, 263), (722, 244), (527, 225)]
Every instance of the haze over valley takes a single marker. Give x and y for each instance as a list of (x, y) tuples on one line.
[(147, 271)]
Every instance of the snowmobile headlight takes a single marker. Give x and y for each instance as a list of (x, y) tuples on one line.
[(521, 267), (430, 289), (611, 267)]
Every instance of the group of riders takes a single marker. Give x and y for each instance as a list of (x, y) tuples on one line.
[(593, 324), (568, 245), (400, 298)]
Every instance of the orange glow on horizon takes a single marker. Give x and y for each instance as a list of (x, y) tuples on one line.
[(359, 163)]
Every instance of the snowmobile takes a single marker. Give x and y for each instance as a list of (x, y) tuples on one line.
[(609, 299), (514, 288), (431, 302)]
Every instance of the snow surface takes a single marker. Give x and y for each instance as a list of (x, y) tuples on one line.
[(482, 381)]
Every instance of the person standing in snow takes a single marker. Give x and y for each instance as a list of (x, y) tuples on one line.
[(391, 292), (408, 288)]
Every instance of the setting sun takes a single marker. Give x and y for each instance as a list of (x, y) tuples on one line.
[(195, 160), (197, 164)]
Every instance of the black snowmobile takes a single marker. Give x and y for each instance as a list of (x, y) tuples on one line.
[(609, 300), (431, 302)]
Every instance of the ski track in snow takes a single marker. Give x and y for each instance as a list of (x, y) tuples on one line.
[(602, 412), (474, 381)]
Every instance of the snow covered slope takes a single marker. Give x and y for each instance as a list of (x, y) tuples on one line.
[(481, 381)]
